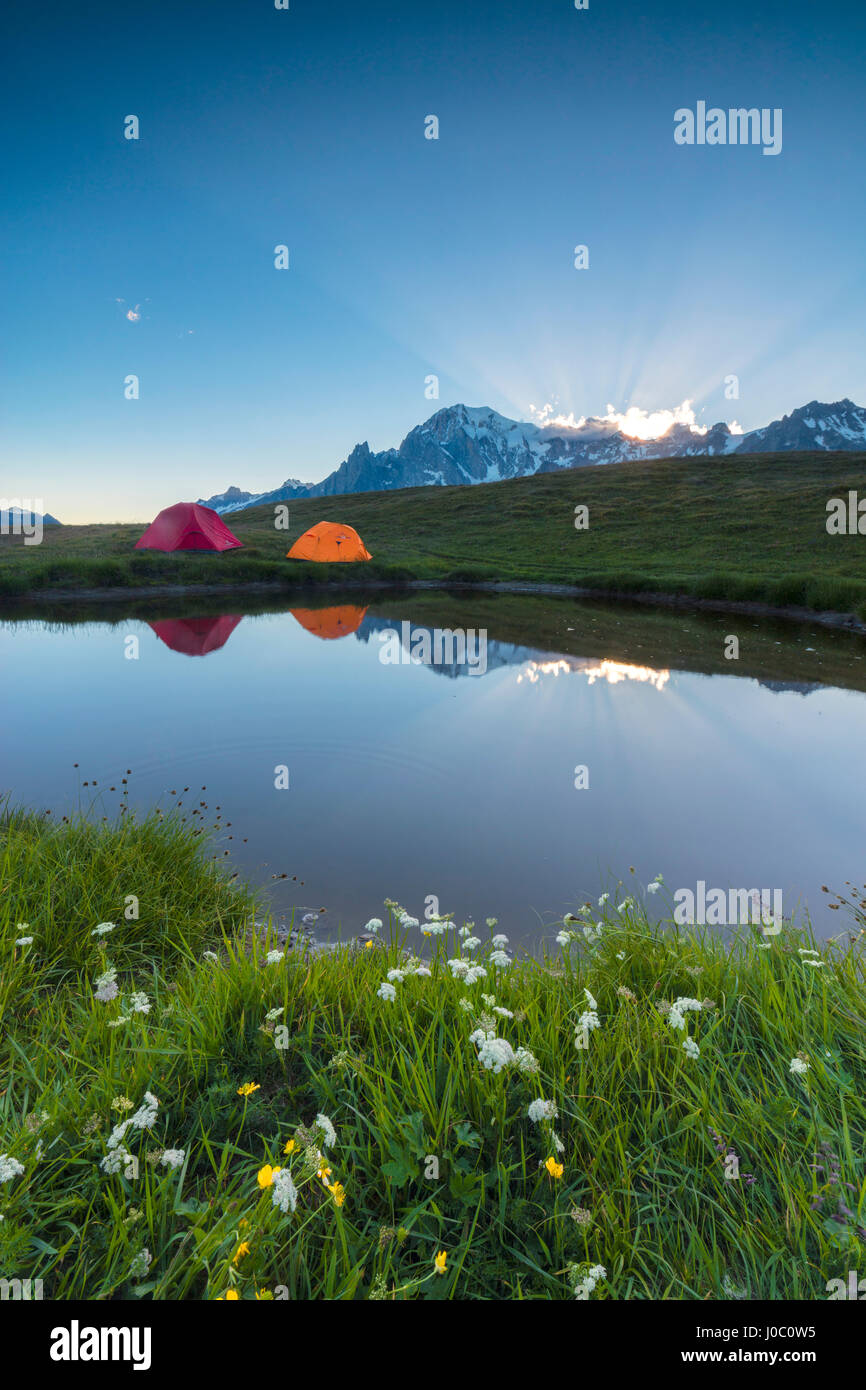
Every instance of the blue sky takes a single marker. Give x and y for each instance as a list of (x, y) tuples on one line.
[(408, 256)]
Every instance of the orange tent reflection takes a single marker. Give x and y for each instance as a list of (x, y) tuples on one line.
[(196, 636), (329, 623)]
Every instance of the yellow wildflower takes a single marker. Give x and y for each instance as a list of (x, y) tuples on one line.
[(291, 1145), (248, 1088), (555, 1169), (243, 1249), (338, 1192), (266, 1176), (229, 1294), (324, 1173), (439, 1262)]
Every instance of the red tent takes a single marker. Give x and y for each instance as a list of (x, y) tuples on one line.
[(187, 526), (196, 636)]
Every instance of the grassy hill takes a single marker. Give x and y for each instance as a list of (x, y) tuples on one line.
[(750, 528)]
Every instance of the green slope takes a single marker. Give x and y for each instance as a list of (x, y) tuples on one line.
[(751, 528)]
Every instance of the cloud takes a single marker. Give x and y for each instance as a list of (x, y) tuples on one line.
[(132, 314), (634, 422)]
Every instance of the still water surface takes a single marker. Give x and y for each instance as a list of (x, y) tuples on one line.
[(408, 780)]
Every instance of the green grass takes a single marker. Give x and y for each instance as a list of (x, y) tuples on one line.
[(642, 1192), (750, 528)]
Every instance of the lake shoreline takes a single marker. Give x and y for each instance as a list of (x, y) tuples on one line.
[(830, 618)]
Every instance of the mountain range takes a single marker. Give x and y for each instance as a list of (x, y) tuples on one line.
[(15, 519), (473, 444)]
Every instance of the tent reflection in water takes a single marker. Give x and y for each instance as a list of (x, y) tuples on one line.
[(196, 636), (330, 623)]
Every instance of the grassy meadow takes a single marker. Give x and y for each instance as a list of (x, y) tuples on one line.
[(751, 528), (190, 1112)]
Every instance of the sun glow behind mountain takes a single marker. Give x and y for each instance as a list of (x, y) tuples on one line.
[(634, 422)]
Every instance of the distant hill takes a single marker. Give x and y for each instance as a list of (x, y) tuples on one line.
[(14, 518), (474, 444)]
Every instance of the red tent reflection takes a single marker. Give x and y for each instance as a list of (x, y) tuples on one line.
[(196, 636), (329, 623)]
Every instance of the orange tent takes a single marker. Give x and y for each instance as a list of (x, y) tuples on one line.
[(329, 541), (329, 623)]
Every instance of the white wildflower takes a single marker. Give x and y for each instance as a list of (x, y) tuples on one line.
[(798, 1067), (526, 1062), (118, 1160), (690, 1048), (500, 959), (274, 957), (139, 1003), (118, 1133), (24, 941), (103, 929), (145, 1116), (106, 987), (588, 1282), (10, 1168), (496, 1053), (458, 967), (326, 1129), (653, 887), (474, 973), (141, 1264), (273, 1014), (386, 991), (172, 1158), (374, 924), (499, 941), (542, 1110), (210, 955), (679, 1008), (284, 1194), (503, 1013), (590, 1001)]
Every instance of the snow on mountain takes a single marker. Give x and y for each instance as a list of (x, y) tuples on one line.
[(473, 444), (814, 426)]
